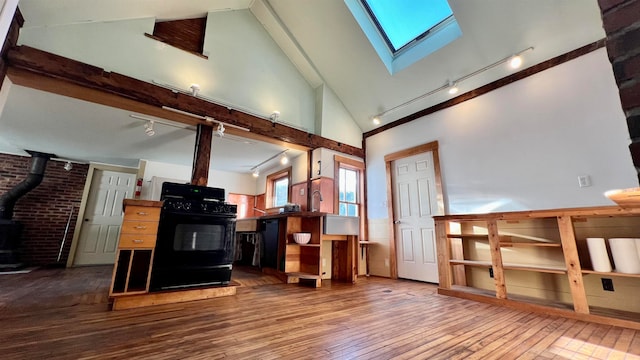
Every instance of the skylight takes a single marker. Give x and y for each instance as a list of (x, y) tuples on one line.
[(405, 31), (402, 22)]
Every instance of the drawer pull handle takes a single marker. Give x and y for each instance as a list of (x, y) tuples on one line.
[(140, 227), (138, 241), (142, 213)]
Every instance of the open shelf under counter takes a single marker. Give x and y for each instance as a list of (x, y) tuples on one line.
[(478, 263), (529, 244), (618, 274), (535, 268), (468, 236), (304, 245)]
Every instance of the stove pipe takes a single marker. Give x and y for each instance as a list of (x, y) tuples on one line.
[(34, 178)]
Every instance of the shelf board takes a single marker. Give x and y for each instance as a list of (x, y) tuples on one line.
[(536, 268), (468, 236), (471, 263), (307, 245), (529, 244), (587, 271)]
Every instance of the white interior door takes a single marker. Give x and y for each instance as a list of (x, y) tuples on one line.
[(414, 204), (98, 239)]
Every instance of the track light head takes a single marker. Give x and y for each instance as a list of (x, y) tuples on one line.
[(284, 160), (274, 116), (515, 61), (148, 128), (195, 89), (453, 88), (256, 172), (68, 166), (220, 130)]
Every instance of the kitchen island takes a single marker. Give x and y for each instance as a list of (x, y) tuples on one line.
[(293, 262)]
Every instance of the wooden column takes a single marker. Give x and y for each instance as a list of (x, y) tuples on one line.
[(496, 259), (202, 155)]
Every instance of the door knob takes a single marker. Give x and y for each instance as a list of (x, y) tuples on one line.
[(87, 219), (396, 222)]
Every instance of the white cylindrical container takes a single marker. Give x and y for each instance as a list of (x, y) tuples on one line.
[(599, 255), (625, 255)]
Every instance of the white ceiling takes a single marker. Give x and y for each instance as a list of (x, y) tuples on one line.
[(324, 35)]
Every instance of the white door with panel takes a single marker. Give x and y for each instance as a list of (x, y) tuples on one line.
[(414, 205), (98, 239)]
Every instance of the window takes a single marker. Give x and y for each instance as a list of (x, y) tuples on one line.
[(348, 192), (405, 31), (278, 188)]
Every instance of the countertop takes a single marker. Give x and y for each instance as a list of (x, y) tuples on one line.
[(290, 214)]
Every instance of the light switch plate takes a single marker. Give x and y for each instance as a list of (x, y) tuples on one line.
[(584, 181)]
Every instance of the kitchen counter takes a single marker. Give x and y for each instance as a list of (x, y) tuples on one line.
[(293, 214)]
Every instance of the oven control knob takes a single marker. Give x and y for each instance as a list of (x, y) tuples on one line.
[(187, 206)]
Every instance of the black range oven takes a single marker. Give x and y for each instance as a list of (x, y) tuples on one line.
[(196, 238)]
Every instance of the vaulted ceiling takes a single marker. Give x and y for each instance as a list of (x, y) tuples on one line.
[(326, 44)]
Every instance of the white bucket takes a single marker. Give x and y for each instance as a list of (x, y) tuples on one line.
[(625, 255), (599, 255)]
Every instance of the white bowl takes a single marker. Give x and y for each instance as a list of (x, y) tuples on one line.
[(301, 238)]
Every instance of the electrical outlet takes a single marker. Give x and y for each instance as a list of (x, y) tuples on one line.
[(302, 192), (607, 284), (491, 272)]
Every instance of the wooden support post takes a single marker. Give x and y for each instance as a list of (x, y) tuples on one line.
[(202, 155), (444, 255), (496, 259), (574, 271)]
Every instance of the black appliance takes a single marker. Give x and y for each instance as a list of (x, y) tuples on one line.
[(196, 238)]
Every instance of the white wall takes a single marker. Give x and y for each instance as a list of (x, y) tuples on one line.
[(522, 146), (334, 121), (229, 181), (245, 67), (327, 162), (298, 172)]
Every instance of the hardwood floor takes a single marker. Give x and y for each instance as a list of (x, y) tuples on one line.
[(63, 314)]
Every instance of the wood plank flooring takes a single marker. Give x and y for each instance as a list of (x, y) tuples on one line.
[(63, 314)]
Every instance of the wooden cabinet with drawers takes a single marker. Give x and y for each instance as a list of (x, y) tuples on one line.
[(136, 247)]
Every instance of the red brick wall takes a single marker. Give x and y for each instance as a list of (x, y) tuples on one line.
[(621, 21), (45, 210)]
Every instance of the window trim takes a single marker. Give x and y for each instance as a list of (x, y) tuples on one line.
[(270, 181)]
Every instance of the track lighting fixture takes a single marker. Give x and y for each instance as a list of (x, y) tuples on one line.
[(274, 116), (283, 160), (195, 89), (514, 61), (148, 128), (220, 130), (68, 166), (453, 88)]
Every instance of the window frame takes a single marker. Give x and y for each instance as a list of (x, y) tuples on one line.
[(359, 166), (270, 187)]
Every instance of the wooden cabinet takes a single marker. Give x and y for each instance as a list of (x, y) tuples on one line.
[(305, 261), (538, 261), (136, 247)]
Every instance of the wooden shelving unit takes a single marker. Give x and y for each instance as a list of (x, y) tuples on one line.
[(548, 245), (135, 248)]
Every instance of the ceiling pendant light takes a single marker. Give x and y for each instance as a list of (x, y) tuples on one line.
[(148, 128)]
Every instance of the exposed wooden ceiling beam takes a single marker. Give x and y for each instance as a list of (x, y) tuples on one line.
[(53, 73)]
